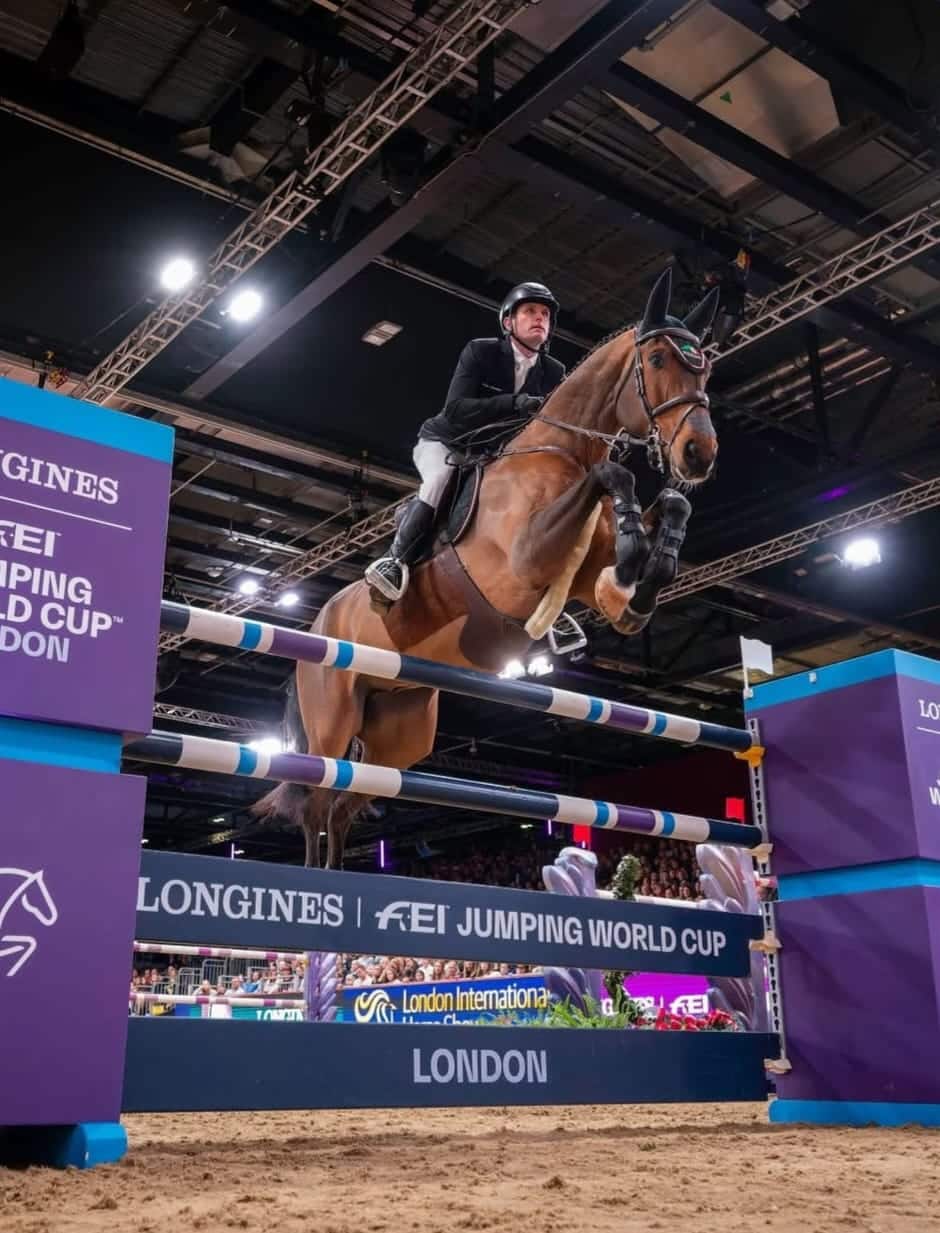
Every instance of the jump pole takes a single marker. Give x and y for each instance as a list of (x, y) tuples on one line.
[(229, 758), (267, 639)]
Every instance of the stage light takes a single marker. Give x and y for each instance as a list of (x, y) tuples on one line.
[(861, 553), (540, 665), (289, 599), (513, 670), (178, 273), (244, 305), (267, 744), (249, 586)]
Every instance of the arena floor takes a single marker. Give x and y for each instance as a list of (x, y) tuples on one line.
[(700, 1168)]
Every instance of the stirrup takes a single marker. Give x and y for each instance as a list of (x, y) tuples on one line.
[(566, 635), (377, 578)]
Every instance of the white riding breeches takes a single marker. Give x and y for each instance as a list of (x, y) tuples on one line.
[(430, 457)]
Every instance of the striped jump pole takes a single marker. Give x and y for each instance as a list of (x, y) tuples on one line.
[(217, 952), (266, 639), (228, 758), (206, 999)]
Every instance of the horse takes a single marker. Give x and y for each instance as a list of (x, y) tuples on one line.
[(30, 893), (556, 520)]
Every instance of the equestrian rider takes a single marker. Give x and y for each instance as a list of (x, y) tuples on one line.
[(497, 383)]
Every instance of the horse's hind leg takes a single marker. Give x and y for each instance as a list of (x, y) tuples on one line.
[(398, 730), (331, 708)]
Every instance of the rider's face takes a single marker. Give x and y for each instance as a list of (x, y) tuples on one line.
[(531, 323)]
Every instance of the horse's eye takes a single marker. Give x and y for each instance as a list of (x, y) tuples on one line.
[(656, 359)]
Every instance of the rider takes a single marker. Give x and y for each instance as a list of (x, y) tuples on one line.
[(497, 382)]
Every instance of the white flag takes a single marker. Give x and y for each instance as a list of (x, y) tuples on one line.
[(757, 654)]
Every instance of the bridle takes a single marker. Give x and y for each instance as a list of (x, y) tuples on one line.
[(689, 353), (688, 350)]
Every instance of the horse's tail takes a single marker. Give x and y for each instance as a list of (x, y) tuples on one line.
[(288, 800)]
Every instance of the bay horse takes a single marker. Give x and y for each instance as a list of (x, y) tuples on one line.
[(557, 520)]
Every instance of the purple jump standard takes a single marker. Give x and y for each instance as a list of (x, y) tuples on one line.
[(854, 822)]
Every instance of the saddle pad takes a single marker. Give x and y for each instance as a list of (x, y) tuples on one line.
[(463, 505)]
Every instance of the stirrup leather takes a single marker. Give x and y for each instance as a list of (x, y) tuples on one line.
[(566, 635), (380, 576)]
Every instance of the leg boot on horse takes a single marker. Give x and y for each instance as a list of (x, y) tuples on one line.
[(667, 519), (616, 584)]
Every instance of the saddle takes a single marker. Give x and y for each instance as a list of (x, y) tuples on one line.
[(488, 637)]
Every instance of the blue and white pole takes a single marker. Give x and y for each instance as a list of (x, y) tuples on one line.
[(266, 639), (205, 754)]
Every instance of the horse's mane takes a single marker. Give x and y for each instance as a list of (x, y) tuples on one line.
[(602, 342)]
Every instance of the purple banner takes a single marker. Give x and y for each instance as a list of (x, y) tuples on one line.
[(920, 720), (82, 533), (69, 853)]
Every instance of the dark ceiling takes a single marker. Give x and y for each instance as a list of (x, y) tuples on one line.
[(595, 144)]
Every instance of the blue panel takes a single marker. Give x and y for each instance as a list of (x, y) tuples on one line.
[(854, 1113), (188, 1064), (883, 875), (603, 812), (85, 749), (669, 822), (834, 676), (595, 710), (65, 1147), (85, 420), (918, 667)]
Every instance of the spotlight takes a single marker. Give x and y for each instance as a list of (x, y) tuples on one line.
[(245, 305), (249, 586), (267, 744), (860, 553), (540, 665), (289, 599), (178, 273), (513, 670)]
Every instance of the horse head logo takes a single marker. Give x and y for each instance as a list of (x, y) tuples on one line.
[(32, 895)]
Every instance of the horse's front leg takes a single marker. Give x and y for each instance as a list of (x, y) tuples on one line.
[(616, 585), (666, 521), (545, 543), (667, 518)]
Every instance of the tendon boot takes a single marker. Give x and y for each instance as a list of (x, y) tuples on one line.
[(663, 563)]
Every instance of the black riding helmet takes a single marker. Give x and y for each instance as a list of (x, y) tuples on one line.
[(529, 293)]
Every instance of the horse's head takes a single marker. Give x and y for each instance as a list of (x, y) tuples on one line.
[(666, 401), (32, 895)]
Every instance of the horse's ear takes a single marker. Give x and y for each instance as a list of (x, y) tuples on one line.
[(699, 321), (657, 306)]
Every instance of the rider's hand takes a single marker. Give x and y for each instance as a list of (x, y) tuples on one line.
[(526, 404)]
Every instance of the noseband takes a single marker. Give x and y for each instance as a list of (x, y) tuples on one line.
[(688, 352)]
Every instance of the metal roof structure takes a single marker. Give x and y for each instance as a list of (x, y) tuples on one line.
[(360, 161)]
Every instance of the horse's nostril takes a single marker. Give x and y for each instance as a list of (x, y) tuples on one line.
[(693, 456)]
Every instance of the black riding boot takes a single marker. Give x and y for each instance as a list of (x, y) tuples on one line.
[(390, 574)]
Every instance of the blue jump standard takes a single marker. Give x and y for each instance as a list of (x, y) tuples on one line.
[(853, 1113)]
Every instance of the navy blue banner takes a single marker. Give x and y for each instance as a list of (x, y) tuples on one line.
[(185, 1065), (209, 900)]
